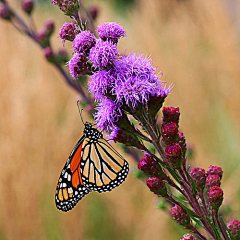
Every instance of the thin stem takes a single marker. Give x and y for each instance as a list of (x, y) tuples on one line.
[(224, 233)]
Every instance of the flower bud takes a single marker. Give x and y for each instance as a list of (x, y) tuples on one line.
[(93, 12), (27, 6), (68, 31), (169, 132), (212, 180), (41, 36), (182, 143), (48, 53), (50, 27), (215, 170), (188, 237), (62, 55), (234, 228), (157, 186), (180, 215), (67, 6), (174, 154), (199, 177), (149, 166), (171, 114), (215, 197), (5, 12)]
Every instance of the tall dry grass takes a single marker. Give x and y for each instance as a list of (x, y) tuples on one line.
[(195, 43)]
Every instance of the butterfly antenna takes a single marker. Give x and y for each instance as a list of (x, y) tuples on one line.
[(80, 111)]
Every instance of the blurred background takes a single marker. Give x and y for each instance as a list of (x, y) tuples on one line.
[(195, 43)]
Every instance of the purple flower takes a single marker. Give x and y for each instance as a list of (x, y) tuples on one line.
[(108, 112), (111, 31), (68, 31), (78, 65), (101, 83), (83, 42), (136, 79), (103, 54)]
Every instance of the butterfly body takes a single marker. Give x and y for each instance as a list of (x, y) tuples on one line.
[(93, 165)]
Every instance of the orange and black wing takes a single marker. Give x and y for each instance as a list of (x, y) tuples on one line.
[(102, 167), (70, 187)]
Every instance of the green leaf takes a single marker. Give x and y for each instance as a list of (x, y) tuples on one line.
[(191, 213), (193, 183), (217, 235), (229, 234)]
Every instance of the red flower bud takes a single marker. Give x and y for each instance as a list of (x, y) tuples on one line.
[(169, 132), (174, 154), (27, 6), (234, 228), (48, 53), (180, 215), (157, 186), (199, 177), (171, 114), (149, 166), (212, 180), (5, 12), (215, 170), (215, 197)]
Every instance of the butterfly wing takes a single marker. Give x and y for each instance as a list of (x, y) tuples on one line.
[(102, 167), (70, 188)]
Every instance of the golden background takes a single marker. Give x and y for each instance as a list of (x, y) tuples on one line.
[(195, 43)]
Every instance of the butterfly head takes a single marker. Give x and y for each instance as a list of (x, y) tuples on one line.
[(92, 133)]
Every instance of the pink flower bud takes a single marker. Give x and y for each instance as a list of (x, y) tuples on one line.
[(149, 166), (174, 154), (5, 12), (157, 186), (188, 237), (27, 6), (215, 197), (212, 180), (215, 170), (199, 177), (234, 228), (169, 132), (180, 215), (48, 53), (171, 114), (50, 27)]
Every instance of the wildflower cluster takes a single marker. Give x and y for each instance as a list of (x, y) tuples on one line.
[(129, 93), (127, 84)]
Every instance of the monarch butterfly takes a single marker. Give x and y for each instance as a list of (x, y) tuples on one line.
[(93, 165)]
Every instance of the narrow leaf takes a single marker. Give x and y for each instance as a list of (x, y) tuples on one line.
[(217, 235), (227, 229)]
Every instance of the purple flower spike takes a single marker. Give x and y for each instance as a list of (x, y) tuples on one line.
[(83, 42), (108, 112), (78, 65), (111, 31), (68, 31), (100, 84), (103, 54), (136, 79)]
